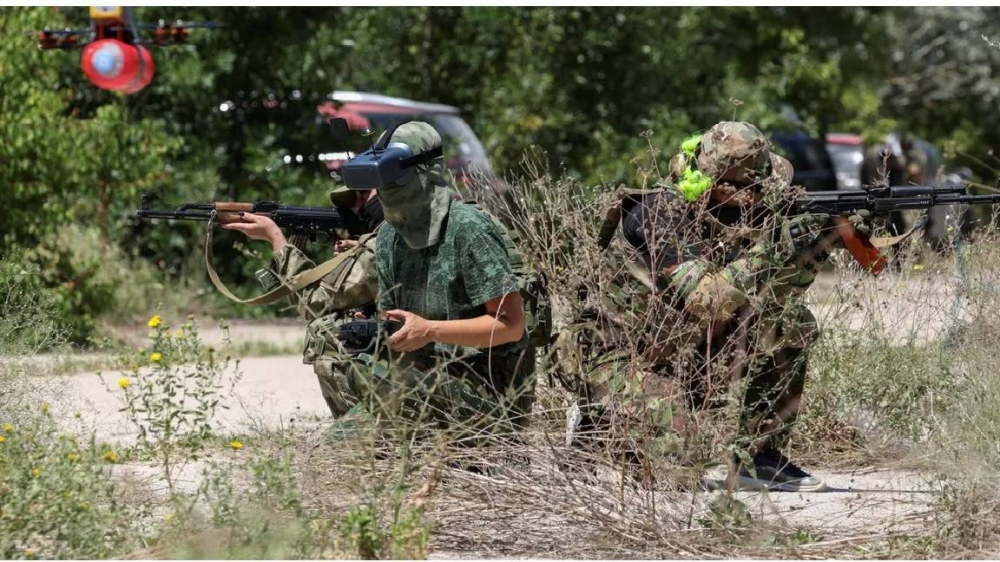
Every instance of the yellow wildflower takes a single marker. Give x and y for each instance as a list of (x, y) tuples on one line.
[(156, 357), (918, 267), (154, 321), (2, 438), (72, 457), (36, 472), (169, 517), (84, 506), (8, 427), (123, 382), (30, 552), (111, 456), (236, 445), (45, 407), (179, 334)]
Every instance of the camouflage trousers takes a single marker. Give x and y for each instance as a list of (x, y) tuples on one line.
[(637, 408), (331, 363), (334, 383), (470, 398), (480, 394)]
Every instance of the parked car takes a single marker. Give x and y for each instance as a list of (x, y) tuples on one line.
[(813, 167), (464, 153), (315, 146), (847, 152)]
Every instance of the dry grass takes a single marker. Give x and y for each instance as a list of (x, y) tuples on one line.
[(903, 383)]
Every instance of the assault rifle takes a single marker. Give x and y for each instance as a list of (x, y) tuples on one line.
[(360, 335), (308, 221), (886, 199), (301, 223), (882, 200)]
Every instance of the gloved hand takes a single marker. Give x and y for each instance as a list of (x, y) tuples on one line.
[(862, 222), (789, 259), (798, 235)]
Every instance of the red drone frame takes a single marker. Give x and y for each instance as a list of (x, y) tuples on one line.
[(114, 57)]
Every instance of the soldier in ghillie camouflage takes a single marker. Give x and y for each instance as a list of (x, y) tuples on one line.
[(713, 272)]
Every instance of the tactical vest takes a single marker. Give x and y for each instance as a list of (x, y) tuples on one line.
[(533, 286)]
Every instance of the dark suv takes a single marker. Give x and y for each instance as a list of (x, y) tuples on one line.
[(813, 167)]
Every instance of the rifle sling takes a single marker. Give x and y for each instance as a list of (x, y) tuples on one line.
[(885, 241), (293, 285)]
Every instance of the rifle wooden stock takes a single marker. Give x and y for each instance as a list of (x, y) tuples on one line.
[(860, 246)]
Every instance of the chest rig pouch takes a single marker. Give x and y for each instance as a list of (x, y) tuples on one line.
[(322, 333)]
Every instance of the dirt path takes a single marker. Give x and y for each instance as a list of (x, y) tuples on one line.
[(272, 393), (280, 392), (871, 501)]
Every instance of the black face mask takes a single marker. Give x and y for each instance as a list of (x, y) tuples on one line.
[(371, 212)]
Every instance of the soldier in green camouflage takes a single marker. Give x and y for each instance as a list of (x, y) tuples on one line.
[(351, 286), (720, 270), (462, 358)]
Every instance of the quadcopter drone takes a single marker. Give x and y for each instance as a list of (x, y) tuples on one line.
[(114, 55)]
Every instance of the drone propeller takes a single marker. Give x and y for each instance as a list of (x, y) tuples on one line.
[(64, 39), (180, 24), (57, 32)]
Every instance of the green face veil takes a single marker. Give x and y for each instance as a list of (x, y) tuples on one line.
[(417, 210)]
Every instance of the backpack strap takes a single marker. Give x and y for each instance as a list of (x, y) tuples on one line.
[(345, 267), (293, 285)]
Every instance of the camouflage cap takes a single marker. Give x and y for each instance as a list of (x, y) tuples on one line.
[(418, 135), (417, 209), (342, 197), (734, 152)]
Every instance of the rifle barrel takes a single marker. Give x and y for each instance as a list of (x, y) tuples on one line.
[(888, 199), (311, 221), (175, 215)]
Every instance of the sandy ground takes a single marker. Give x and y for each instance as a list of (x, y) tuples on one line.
[(909, 308), (873, 501), (275, 393), (271, 393), (281, 393), (287, 334)]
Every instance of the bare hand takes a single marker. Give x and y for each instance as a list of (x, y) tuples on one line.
[(344, 245), (415, 333), (259, 227)]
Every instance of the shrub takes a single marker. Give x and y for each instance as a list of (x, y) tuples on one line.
[(27, 311), (57, 497), (80, 273)]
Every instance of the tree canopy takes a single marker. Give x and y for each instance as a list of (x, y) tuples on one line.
[(591, 88)]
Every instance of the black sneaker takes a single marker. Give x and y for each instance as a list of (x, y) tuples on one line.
[(773, 471)]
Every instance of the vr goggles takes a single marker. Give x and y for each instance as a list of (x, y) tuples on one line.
[(385, 164)]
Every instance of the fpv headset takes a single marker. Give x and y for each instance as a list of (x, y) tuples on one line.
[(385, 164)]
